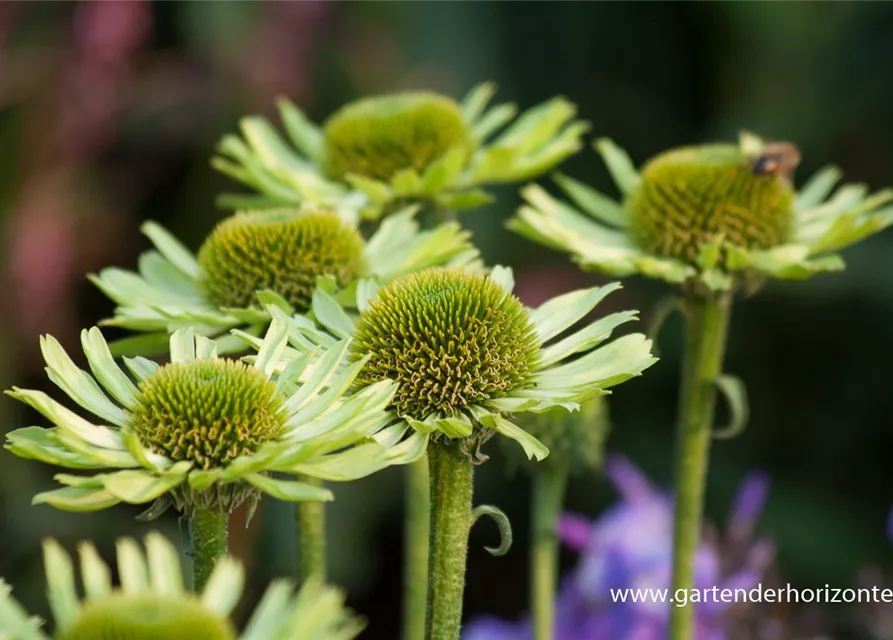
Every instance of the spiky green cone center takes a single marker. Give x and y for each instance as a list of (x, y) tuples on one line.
[(710, 194), (207, 411), (285, 251), (148, 617), (376, 137), (449, 338)]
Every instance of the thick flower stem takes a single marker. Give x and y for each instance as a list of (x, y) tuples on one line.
[(415, 556), (451, 488), (311, 529), (208, 531), (707, 323), (549, 482)]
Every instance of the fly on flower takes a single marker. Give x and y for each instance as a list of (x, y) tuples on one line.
[(151, 601), (265, 255), (466, 354), (708, 216), (379, 151), (202, 432)]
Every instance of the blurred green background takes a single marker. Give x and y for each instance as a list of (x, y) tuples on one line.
[(108, 115)]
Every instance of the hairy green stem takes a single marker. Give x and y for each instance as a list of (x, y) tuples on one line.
[(208, 531), (415, 554), (549, 483), (311, 529), (451, 488), (707, 323)]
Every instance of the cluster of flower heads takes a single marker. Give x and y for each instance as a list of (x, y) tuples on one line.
[(710, 216), (466, 354), (274, 255), (379, 151), (151, 601), (629, 547)]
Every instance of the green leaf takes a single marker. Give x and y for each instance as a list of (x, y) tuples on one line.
[(619, 164), (734, 391), (76, 499), (290, 490)]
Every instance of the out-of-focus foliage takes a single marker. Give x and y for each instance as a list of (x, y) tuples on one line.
[(109, 113)]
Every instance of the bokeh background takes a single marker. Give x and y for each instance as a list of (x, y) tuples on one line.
[(109, 112)]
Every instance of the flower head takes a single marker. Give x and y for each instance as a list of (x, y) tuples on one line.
[(417, 146), (151, 601), (255, 257), (467, 354), (202, 431), (279, 250), (709, 217)]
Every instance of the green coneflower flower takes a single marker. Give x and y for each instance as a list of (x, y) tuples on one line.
[(467, 353), (262, 256), (385, 149), (710, 216), (201, 432), (151, 602)]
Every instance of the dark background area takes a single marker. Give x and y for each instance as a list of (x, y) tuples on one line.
[(108, 116)]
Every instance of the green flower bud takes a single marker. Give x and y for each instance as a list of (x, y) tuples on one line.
[(450, 338), (207, 411), (282, 250), (376, 137), (148, 617), (710, 194)]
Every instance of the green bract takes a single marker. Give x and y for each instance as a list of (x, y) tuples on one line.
[(709, 217), (279, 250), (202, 431), (259, 257), (151, 602), (379, 151), (379, 136), (468, 354)]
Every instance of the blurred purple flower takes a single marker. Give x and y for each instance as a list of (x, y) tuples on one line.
[(630, 547)]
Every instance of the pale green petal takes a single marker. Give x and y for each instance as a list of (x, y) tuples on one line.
[(561, 312), (95, 573), (224, 588), (146, 459), (604, 209), (303, 133), (790, 262), (77, 499), (160, 273), (406, 183), (323, 370), (817, 188), (106, 370), (201, 479), (476, 100), (66, 419), (140, 486), (289, 490), (163, 562), (410, 450), (331, 315), (605, 367), (205, 348), (619, 165), (377, 191), (15, 624), (272, 348), (587, 338), (352, 464), (532, 447), (392, 435), (182, 346), (443, 172), (171, 249), (271, 612), (462, 200), (35, 443), (77, 383), (61, 591), (132, 571), (503, 276), (493, 120)]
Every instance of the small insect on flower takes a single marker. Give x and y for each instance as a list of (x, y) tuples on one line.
[(151, 602), (776, 158), (202, 432)]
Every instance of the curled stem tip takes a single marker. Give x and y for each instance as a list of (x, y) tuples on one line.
[(502, 521)]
